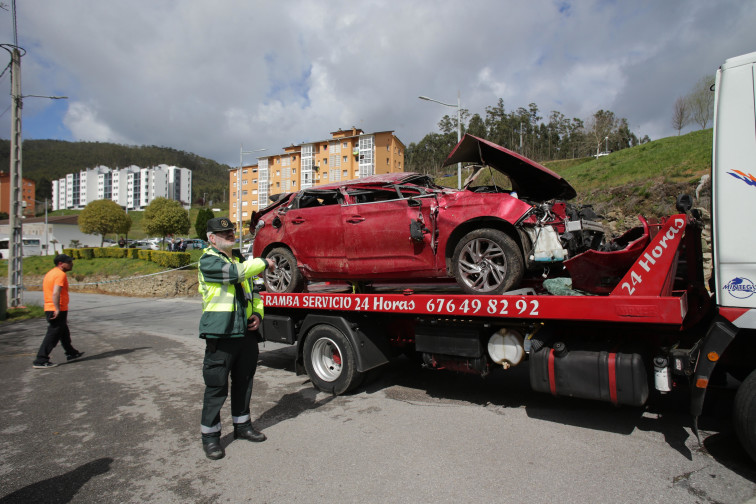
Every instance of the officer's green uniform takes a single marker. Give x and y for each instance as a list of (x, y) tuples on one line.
[(228, 302)]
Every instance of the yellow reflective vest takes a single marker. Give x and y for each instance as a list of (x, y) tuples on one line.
[(228, 297)]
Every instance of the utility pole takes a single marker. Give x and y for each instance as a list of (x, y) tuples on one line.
[(15, 242)]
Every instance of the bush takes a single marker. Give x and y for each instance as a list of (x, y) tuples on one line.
[(164, 259), (171, 259), (85, 253)]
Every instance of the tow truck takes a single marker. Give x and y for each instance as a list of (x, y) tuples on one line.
[(662, 324)]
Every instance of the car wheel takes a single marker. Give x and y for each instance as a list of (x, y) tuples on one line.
[(487, 261), (330, 360), (285, 277)]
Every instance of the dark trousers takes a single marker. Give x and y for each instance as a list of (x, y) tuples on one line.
[(236, 357), (57, 331)]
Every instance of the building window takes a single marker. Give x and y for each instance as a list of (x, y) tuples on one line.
[(345, 145), (244, 182)]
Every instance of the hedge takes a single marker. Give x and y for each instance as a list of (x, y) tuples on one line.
[(165, 259)]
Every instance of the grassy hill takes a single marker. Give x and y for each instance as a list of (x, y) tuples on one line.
[(645, 179), (47, 160)]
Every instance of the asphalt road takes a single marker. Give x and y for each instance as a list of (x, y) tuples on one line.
[(122, 425)]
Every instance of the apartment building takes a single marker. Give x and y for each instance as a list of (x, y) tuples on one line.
[(347, 155), (132, 187), (28, 192)]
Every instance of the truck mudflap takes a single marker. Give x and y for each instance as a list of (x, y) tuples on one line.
[(616, 377), (371, 348), (719, 336)]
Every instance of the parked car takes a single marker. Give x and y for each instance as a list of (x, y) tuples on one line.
[(195, 243), (402, 227)]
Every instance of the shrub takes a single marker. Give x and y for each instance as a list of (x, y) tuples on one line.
[(85, 253), (145, 255), (171, 259), (131, 253)]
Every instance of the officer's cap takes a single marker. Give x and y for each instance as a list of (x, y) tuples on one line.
[(219, 224)]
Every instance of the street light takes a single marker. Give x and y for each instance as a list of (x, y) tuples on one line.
[(459, 131), (239, 192), (606, 148)]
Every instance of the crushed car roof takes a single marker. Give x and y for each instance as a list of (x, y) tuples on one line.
[(383, 179), (530, 179)]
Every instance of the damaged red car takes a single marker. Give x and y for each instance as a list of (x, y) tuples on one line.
[(402, 227)]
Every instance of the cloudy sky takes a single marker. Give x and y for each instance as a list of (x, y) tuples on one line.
[(211, 76)]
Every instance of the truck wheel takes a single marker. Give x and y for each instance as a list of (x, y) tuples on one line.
[(330, 360), (487, 261), (744, 414), (286, 277)]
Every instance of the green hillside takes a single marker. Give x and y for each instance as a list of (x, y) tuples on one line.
[(47, 160), (645, 179)]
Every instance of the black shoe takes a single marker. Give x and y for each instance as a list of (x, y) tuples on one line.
[(213, 450), (250, 434), (44, 365), (74, 356)]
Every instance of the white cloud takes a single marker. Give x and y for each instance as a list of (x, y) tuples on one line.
[(207, 77), (81, 119)]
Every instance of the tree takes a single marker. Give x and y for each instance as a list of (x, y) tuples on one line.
[(102, 217), (602, 124), (200, 224), (680, 114), (165, 217), (701, 101)]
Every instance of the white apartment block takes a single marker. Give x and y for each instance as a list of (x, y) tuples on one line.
[(132, 187)]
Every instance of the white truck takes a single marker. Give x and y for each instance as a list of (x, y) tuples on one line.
[(663, 325)]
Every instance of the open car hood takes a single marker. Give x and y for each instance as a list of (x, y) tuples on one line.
[(529, 179)]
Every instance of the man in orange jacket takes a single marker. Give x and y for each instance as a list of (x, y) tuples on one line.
[(55, 289)]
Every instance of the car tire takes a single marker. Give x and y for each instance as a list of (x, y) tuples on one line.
[(285, 277), (330, 360), (487, 261)]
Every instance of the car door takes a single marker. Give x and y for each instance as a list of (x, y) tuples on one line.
[(377, 234), (315, 237)]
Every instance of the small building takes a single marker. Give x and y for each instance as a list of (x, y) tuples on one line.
[(62, 230), (28, 191)]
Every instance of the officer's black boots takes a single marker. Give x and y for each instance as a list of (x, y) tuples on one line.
[(249, 433), (213, 449)]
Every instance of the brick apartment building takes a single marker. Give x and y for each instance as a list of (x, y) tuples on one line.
[(347, 155), (28, 192)]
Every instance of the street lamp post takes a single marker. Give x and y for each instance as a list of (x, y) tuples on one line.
[(459, 131), (239, 194), (606, 145)]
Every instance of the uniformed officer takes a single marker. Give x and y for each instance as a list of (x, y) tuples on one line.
[(231, 317)]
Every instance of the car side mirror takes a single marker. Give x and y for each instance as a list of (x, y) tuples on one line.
[(412, 202)]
